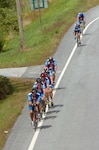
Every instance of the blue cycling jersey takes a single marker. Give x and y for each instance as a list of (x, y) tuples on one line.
[(47, 62), (29, 97), (76, 27), (33, 99)]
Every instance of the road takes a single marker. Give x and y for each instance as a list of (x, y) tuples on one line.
[(73, 124)]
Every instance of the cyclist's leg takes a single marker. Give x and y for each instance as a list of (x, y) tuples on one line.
[(79, 35), (43, 99), (51, 94), (34, 117), (53, 73), (74, 34), (51, 78), (38, 104), (31, 113)]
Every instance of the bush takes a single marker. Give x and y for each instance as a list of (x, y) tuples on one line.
[(2, 42), (5, 87)]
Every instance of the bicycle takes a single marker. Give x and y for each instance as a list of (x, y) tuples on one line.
[(36, 118), (77, 40)]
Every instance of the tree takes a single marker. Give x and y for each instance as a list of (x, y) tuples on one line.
[(7, 4), (8, 19)]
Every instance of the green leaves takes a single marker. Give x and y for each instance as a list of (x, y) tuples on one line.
[(5, 87), (8, 20)]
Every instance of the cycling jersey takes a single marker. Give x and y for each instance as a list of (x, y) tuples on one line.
[(46, 81), (51, 65), (33, 99), (39, 87), (76, 28)]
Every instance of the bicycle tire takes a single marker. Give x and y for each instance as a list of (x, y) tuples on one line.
[(77, 40), (35, 125)]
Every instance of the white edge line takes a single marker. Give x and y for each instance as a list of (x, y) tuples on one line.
[(33, 141)]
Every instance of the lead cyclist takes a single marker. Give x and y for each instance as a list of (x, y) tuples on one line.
[(81, 18)]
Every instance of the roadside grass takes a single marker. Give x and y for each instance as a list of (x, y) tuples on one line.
[(10, 108), (39, 44)]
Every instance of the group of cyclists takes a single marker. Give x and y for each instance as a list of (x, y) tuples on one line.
[(77, 26), (42, 90)]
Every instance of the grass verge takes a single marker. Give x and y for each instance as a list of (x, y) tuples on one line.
[(10, 108)]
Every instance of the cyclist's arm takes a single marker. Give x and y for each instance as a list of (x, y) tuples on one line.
[(30, 100)]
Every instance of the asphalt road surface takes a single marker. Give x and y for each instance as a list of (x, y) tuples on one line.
[(73, 124)]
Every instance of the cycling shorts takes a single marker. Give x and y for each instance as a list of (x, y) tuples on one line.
[(31, 107), (77, 31)]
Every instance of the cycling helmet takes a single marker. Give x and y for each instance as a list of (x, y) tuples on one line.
[(81, 14), (42, 75), (34, 91), (38, 80), (50, 58)]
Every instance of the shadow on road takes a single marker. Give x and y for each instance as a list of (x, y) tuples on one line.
[(59, 88), (45, 127), (53, 111), (50, 117), (86, 34), (59, 105), (83, 45)]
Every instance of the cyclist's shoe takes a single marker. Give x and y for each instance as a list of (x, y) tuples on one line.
[(32, 123), (54, 82), (52, 104), (75, 37)]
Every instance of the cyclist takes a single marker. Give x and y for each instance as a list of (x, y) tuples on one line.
[(48, 73), (50, 86), (33, 99), (51, 64), (76, 29), (40, 87), (48, 91), (81, 18)]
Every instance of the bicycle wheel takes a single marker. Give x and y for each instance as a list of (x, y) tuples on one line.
[(35, 125)]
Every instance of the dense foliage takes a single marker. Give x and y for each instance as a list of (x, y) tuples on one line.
[(5, 87), (8, 20)]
